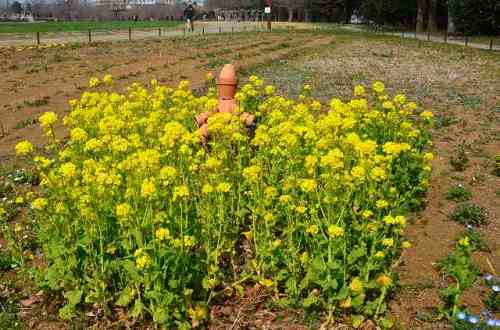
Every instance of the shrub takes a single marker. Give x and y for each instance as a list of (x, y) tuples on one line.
[(135, 211)]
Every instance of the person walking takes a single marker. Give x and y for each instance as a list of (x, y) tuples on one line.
[(189, 16)]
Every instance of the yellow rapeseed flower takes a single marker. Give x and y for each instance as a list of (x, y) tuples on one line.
[(384, 281), (148, 188), (358, 172), (143, 261), (107, 79), (382, 204), (427, 115), (308, 185), (24, 148), (312, 229), (39, 204), (267, 282), (189, 241), (301, 209), (359, 91), (68, 170), (162, 234), (94, 82), (123, 210), (335, 231), (181, 192), (356, 285), (223, 187), (48, 119), (378, 87), (78, 135), (388, 242)]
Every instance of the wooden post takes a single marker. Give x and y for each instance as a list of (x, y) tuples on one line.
[(130, 33), (491, 44), (38, 38), (90, 36), (270, 5), (466, 41), (203, 31)]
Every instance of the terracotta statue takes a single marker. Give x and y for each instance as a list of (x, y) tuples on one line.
[(226, 86)]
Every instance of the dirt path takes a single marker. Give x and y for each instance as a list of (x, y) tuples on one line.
[(431, 38)]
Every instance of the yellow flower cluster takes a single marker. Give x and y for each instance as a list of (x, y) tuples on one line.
[(317, 189)]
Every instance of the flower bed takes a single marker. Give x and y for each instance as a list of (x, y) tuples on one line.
[(134, 211)]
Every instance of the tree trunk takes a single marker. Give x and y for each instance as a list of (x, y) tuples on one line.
[(432, 22), (422, 6), (451, 24), (347, 11), (307, 14)]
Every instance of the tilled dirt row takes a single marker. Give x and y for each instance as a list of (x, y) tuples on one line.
[(35, 81)]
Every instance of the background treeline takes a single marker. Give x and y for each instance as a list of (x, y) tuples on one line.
[(465, 16), (75, 10)]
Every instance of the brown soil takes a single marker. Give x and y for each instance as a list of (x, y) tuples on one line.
[(36, 81)]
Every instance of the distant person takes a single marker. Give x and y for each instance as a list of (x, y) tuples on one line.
[(189, 16)]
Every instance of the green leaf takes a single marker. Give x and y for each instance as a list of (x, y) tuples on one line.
[(334, 265), (137, 309), (355, 254), (74, 297), (357, 320), (67, 312), (343, 294), (318, 265), (129, 267), (386, 323), (126, 297), (311, 300), (159, 314), (358, 301)]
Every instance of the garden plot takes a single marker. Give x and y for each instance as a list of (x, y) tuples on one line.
[(298, 193)]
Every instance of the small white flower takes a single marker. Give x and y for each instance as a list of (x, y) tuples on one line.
[(473, 319)]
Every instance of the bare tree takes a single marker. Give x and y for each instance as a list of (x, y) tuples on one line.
[(292, 6)]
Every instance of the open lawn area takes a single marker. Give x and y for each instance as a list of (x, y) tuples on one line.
[(305, 250), (42, 27)]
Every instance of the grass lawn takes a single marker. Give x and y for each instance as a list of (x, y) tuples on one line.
[(82, 26)]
